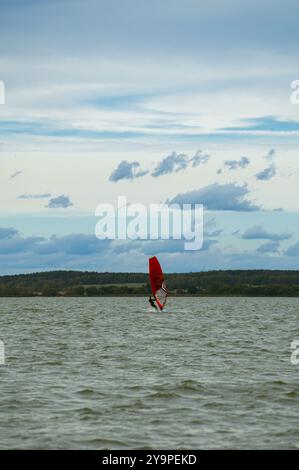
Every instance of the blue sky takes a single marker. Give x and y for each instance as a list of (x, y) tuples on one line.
[(156, 101)]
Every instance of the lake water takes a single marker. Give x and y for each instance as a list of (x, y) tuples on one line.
[(109, 373)]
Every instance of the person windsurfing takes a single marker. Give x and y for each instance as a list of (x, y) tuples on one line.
[(152, 302), (157, 285)]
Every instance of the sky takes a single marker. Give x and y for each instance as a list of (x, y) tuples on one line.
[(185, 102)]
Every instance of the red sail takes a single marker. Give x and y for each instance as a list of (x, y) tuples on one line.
[(157, 282)]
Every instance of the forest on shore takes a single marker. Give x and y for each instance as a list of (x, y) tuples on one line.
[(207, 283)]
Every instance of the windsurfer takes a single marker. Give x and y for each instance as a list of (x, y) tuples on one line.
[(152, 302)]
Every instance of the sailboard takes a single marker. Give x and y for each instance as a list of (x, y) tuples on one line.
[(157, 282)]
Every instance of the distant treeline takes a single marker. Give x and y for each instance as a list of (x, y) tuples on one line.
[(211, 283)]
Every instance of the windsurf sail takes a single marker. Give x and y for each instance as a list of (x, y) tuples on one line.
[(157, 282)]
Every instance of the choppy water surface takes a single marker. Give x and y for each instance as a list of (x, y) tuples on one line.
[(108, 373)]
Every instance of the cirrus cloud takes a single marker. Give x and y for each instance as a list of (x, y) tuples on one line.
[(34, 196), (15, 174)]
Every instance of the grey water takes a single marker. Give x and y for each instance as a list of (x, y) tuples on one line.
[(110, 373)]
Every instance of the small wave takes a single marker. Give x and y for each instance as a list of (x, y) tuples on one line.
[(86, 392), (277, 382), (292, 394), (108, 443), (164, 394), (86, 411), (136, 387), (137, 404), (190, 385), (213, 405), (89, 413), (53, 363)]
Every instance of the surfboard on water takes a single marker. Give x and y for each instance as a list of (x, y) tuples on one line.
[(157, 282)]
